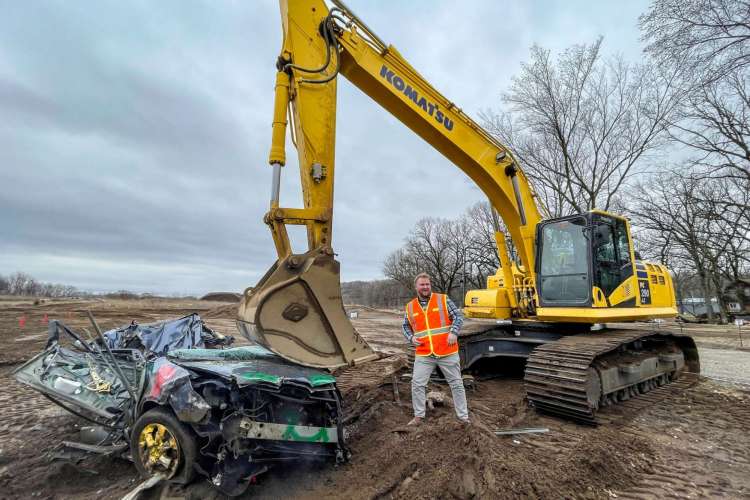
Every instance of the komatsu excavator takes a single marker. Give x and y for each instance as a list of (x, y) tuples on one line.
[(573, 274)]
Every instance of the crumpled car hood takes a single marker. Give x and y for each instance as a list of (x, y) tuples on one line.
[(249, 365)]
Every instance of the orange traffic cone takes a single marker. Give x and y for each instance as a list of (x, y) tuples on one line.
[(22, 322), (45, 320)]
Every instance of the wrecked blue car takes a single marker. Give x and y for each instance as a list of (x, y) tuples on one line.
[(178, 402)]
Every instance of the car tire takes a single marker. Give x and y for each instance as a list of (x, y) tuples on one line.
[(158, 433)]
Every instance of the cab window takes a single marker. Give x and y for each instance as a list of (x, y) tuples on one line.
[(564, 265)]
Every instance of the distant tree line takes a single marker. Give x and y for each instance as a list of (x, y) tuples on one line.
[(23, 284), (387, 294)]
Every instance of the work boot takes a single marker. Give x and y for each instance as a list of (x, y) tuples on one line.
[(465, 422), (415, 421)]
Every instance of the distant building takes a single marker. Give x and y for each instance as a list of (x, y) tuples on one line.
[(737, 296), (697, 306)]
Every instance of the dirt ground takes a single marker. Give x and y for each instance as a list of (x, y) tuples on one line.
[(685, 440)]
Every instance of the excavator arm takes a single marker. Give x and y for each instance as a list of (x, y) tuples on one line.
[(384, 75), (296, 308)]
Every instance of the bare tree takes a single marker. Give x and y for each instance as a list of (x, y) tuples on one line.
[(482, 259), (402, 266), (434, 246), (711, 38), (683, 222), (715, 124), (707, 36), (670, 224), (581, 126), (729, 254), (56, 290), (459, 254), (21, 283)]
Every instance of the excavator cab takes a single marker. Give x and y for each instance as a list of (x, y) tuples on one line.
[(587, 261)]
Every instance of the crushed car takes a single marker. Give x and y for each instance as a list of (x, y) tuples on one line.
[(178, 401)]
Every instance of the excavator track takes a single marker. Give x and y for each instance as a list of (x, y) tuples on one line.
[(574, 376)]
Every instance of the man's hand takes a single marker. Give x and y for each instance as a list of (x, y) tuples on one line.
[(452, 338), (415, 342)]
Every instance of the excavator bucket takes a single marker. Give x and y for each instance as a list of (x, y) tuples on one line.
[(296, 311)]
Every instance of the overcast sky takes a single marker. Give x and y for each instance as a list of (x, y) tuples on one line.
[(134, 135)]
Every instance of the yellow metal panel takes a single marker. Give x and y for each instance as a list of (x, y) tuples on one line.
[(492, 303), (603, 315), (597, 297), (496, 280), (608, 214), (661, 287), (626, 291)]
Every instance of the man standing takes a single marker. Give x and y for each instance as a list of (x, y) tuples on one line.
[(431, 323)]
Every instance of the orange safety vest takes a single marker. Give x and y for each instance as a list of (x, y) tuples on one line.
[(431, 326)]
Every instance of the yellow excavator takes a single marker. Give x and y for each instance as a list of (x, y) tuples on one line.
[(573, 274)]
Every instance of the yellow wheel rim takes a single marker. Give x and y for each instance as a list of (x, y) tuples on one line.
[(158, 450)]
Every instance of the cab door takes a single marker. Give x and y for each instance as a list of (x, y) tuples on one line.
[(562, 264), (611, 257)]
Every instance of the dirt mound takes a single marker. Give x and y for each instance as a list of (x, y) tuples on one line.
[(222, 297), (443, 459), (227, 311)]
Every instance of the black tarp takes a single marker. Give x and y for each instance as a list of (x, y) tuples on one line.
[(187, 332)]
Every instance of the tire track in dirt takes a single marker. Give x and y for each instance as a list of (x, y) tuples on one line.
[(699, 430), (31, 429), (702, 442), (23, 408)]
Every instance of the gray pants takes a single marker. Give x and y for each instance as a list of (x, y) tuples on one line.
[(451, 368)]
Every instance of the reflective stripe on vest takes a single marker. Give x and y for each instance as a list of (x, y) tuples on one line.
[(431, 326)]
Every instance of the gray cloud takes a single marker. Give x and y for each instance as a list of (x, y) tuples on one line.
[(134, 137)]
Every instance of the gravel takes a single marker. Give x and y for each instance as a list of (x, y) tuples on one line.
[(726, 365)]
